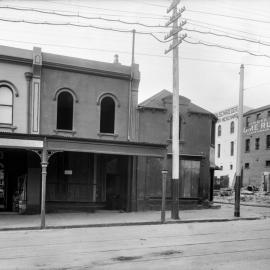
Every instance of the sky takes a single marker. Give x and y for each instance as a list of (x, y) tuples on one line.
[(209, 75)]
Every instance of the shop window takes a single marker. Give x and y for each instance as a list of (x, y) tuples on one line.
[(247, 166), (6, 105), (219, 130), (232, 148), (107, 115), (257, 143), (232, 127), (268, 141), (65, 111), (247, 145), (218, 154)]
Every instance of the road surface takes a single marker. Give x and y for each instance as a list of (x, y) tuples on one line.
[(221, 245)]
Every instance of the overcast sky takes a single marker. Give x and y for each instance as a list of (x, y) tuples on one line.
[(209, 76)]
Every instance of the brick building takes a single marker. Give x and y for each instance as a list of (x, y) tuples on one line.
[(196, 138), (256, 145)]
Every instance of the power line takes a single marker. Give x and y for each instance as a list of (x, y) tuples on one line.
[(118, 10), (226, 48), (138, 53), (228, 16), (228, 36), (79, 16), (204, 24)]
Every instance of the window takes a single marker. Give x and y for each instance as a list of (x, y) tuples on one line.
[(258, 116), (219, 130), (107, 115), (247, 121), (6, 105), (268, 141), (231, 166), (247, 146), (218, 154), (65, 111), (232, 148), (246, 165), (267, 163), (257, 143), (221, 167), (232, 127), (268, 114)]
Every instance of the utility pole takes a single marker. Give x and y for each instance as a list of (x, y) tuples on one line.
[(239, 145), (175, 109)]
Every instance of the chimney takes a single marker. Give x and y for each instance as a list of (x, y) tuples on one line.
[(116, 59)]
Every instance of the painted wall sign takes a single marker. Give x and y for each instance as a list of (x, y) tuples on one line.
[(227, 114), (257, 126)]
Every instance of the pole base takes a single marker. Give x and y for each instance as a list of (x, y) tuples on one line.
[(237, 214)]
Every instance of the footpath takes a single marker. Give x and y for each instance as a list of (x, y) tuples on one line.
[(219, 213)]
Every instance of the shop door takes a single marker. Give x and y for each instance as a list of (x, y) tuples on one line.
[(189, 178)]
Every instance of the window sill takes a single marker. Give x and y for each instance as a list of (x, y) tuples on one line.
[(64, 131), (101, 134), (7, 126)]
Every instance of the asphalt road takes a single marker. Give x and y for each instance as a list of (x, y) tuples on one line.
[(222, 245)]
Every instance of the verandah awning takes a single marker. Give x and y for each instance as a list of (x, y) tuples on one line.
[(58, 143)]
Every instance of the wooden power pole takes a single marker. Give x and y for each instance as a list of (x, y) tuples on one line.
[(175, 109), (239, 145)]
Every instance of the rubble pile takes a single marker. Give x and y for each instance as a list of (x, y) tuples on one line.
[(251, 195)]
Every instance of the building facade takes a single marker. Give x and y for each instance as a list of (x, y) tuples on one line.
[(226, 144), (72, 136), (68, 134), (196, 142), (256, 146)]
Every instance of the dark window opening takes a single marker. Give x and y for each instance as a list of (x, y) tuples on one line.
[(213, 133), (107, 115), (232, 148), (247, 121), (268, 141), (219, 130), (232, 127), (65, 111), (247, 146), (171, 127), (267, 163), (257, 143), (258, 116), (231, 166), (218, 154), (246, 165)]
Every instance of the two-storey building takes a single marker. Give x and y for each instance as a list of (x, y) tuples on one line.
[(256, 146), (196, 143), (75, 117)]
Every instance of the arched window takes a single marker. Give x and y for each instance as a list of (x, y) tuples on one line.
[(107, 115), (6, 105), (65, 111), (232, 127), (219, 130)]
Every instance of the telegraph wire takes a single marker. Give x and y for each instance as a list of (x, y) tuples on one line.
[(138, 53), (199, 42), (228, 16), (129, 31), (128, 23)]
